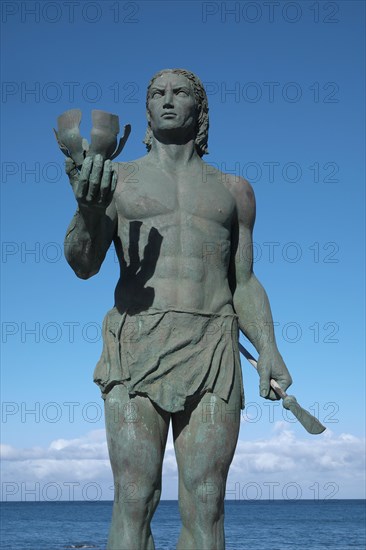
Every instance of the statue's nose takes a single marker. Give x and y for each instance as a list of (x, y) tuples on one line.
[(168, 98)]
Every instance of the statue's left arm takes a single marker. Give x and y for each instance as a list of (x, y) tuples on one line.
[(250, 300)]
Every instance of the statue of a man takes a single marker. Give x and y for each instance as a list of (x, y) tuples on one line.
[(182, 231)]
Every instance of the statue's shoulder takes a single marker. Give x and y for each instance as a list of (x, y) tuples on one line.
[(244, 196), (236, 184)]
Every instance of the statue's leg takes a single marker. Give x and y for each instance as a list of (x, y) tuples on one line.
[(205, 438), (136, 436)]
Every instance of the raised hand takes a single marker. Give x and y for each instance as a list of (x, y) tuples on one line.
[(94, 185)]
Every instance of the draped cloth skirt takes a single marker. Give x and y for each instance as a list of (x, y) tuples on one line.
[(170, 356)]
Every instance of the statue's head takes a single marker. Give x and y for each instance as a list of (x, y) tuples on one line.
[(201, 104)]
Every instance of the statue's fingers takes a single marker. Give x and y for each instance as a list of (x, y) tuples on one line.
[(264, 381), (71, 171), (282, 378), (281, 375), (105, 186), (95, 178), (114, 181), (82, 186), (86, 168), (113, 186), (264, 387), (273, 396), (284, 381)]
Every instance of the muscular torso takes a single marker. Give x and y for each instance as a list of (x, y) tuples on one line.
[(173, 239)]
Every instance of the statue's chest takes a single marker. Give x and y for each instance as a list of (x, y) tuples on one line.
[(142, 197)]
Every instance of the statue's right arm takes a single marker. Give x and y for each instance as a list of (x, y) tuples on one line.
[(94, 224)]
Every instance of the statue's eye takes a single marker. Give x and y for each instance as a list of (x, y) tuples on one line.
[(156, 93), (182, 92)]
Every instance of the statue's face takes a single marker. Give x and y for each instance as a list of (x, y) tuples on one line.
[(171, 105)]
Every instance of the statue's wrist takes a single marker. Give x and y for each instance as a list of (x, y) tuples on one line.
[(90, 219), (92, 213), (268, 347)]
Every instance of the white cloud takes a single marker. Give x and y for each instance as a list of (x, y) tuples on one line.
[(322, 466)]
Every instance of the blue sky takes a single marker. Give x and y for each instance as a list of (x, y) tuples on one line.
[(286, 92)]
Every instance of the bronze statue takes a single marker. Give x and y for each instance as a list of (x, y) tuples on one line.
[(182, 231)]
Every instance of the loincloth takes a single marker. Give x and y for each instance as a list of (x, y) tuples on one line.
[(170, 356)]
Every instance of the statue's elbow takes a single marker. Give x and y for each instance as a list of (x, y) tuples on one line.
[(82, 269), (79, 259), (83, 272)]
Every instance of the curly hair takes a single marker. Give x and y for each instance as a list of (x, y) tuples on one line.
[(201, 139)]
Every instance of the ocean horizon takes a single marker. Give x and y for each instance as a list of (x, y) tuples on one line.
[(250, 524)]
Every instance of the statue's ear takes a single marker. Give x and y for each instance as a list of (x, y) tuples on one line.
[(148, 116)]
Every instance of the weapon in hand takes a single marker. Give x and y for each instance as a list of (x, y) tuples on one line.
[(310, 423)]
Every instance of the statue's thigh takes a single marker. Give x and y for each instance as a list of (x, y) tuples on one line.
[(205, 438), (136, 434)]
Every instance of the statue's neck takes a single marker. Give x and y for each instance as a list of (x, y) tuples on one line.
[(171, 156)]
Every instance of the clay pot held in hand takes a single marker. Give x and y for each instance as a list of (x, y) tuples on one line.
[(103, 136)]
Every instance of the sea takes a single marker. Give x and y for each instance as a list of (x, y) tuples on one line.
[(255, 525)]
